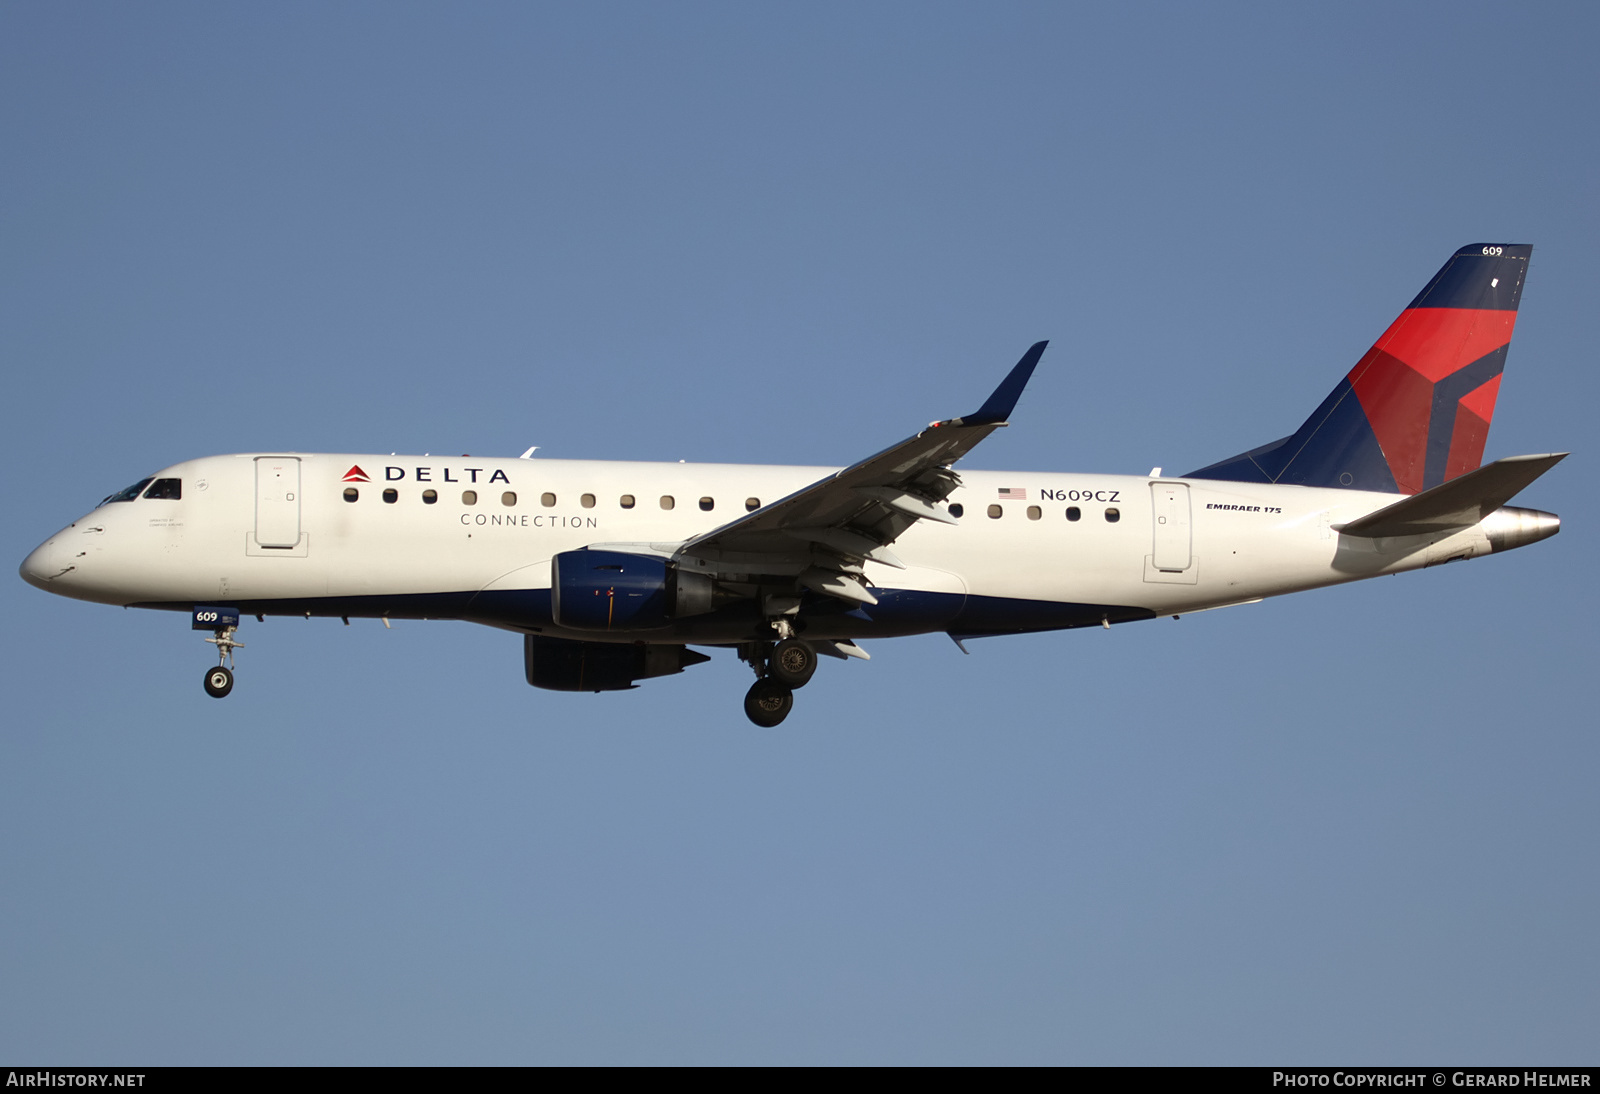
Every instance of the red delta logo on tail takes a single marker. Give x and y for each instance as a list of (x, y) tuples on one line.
[(1415, 411), (355, 474), (1428, 386)]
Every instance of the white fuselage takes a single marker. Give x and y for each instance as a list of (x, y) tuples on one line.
[(275, 533)]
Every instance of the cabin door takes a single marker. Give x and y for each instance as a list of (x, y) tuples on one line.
[(1171, 553), (278, 501)]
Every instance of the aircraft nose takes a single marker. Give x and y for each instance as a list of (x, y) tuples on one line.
[(44, 564)]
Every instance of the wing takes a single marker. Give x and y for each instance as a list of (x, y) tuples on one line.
[(821, 535)]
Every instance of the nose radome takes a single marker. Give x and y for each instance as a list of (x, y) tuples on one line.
[(43, 565)]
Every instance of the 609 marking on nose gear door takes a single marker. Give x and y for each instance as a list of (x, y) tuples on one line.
[(207, 617)]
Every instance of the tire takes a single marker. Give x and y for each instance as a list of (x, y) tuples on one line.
[(792, 663), (219, 681), (767, 703)]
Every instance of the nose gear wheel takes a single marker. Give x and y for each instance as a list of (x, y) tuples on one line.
[(219, 681)]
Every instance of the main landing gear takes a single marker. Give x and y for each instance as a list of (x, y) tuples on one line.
[(780, 669), (768, 702), (219, 680)]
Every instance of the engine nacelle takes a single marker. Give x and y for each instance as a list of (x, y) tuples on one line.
[(560, 664), (617, 591)]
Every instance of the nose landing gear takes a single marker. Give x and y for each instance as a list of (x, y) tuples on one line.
[(219, 680)]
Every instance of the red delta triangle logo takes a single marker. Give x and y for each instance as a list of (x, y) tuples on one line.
[(355, 474)]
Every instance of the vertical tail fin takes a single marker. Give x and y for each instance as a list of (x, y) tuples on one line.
[(1415, 410)]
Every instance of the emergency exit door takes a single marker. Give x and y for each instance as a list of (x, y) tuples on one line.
[(277, 501), (1171, 549)]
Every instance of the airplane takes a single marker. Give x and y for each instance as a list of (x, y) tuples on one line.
[(612, 571)]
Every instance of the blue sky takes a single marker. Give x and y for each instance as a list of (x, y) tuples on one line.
[(1351, 825)]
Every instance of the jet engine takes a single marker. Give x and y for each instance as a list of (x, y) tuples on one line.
[(619, 591), (560, 664)]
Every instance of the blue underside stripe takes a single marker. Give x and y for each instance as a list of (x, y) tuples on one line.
[(898, 612)]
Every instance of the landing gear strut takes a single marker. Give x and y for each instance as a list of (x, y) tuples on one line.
[(219, 680)]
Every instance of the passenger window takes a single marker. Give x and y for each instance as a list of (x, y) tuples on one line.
[(469, 497), (666, 501), (1074, 513), (1113, 515), (627, 501), (429, 497), (752, 504), (546, 499), (166, 490), (1034, 512), (129, 494), (957, 509), (707, 504), (587, 501), (351, 493), (994, 512), (391, 495), (509, 498)]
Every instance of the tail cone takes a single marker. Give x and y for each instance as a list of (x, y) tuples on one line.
[(1509, 527)]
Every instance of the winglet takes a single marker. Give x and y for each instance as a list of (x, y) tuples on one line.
[(1004, 399)]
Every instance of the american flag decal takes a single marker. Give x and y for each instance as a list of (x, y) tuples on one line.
[(1008, 493)]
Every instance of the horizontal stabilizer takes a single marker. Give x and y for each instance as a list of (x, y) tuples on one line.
[(1458, 503)]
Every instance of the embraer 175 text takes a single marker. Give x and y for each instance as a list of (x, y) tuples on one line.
[(612, 571)]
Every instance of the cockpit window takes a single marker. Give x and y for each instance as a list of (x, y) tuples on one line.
[(129, 494), (166, 489)]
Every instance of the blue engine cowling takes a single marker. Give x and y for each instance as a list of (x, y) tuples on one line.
[(617, 591), (560, 664)]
